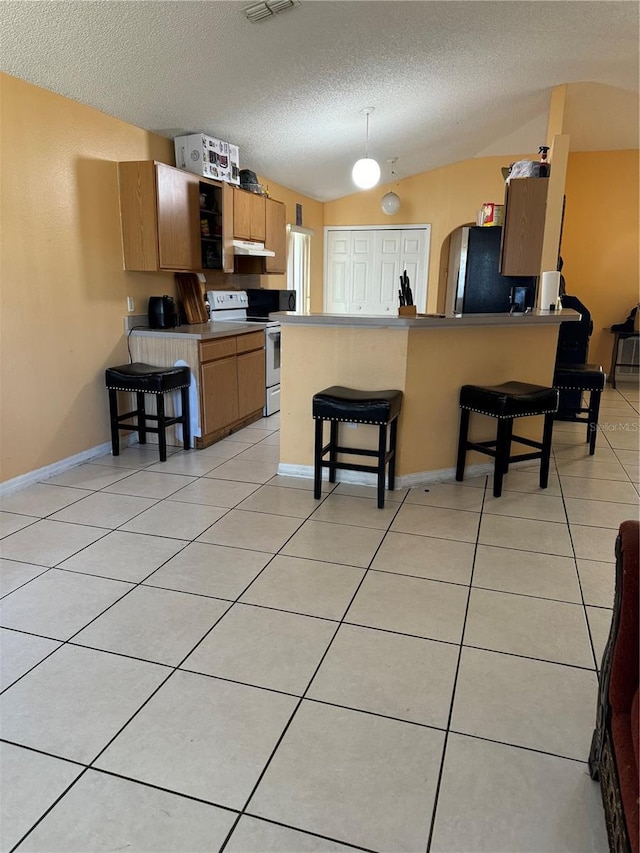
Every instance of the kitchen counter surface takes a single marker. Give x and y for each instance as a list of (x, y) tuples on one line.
[(199, 331), (426, 321)]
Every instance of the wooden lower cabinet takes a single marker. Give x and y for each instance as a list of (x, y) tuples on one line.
[(232, 384), (219, 394)]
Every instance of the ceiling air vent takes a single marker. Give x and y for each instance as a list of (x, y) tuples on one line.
[(261, 11)]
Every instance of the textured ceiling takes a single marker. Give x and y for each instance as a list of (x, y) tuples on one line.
[(448, 80)]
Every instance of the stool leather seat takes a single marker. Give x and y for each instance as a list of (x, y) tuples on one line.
[(509, 400), (586, 378), (506, 402), (140, 379), (339, 404), (579, 377), (147, 378), (363, 407)]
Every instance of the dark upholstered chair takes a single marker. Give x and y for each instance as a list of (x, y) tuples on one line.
[(144, 379), (349, 405), (614, 748), (505, 403)]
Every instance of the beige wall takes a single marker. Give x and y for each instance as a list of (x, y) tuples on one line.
[(443, 198), (63, 289), (600, 246)]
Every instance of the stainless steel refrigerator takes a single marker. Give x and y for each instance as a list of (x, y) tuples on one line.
[(474, 283)]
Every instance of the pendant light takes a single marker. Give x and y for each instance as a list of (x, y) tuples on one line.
[(366, 172), (390, 202)]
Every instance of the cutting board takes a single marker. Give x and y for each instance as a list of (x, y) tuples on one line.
[(191, 298)]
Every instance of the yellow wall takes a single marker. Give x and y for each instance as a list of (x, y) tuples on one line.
[(600, 240), (312, 217), (63, 289), (443, 198)]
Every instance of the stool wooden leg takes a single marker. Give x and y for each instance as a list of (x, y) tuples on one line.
[(594, 414), (186, 424), (547, 436), (333, 456), (462, 443), (393, 435), (382, 466), (503, 447), (113, 417), (317, 460), (142, 421), (614, 359), (509, 434), (162, 429)]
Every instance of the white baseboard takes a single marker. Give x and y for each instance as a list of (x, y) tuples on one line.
[(406, 481), (63, 465)]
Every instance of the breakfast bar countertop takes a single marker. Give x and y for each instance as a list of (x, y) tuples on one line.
[(199, 331), (426, 321)]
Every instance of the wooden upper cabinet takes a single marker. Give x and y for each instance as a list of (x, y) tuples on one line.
[(276, 236), (174, 220), (248, 216), (138, 215), (523, 229), (178, 219)]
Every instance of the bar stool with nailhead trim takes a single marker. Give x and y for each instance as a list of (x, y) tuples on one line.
[(144, 379), (338, 404), (581, 377), (505, 403)]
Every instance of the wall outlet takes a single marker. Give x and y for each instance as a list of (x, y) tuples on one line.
[(131, 303)]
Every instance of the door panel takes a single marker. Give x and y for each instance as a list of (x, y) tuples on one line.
[(339, 269), (364, 268), (360, 289), (178, 219), (219, 393)]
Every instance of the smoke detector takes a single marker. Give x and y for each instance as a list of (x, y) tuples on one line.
[(262, 11)]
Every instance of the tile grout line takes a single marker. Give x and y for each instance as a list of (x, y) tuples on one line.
[(436, 796), (236, 601), (310, 682)]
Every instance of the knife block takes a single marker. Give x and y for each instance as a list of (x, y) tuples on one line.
[(407, 311)]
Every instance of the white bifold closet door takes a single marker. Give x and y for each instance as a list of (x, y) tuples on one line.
[(363, 268)]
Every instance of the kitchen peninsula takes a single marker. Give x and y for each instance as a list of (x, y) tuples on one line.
[(428, 358)]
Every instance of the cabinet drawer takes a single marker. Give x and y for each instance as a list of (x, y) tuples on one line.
[(254, 340), (211, 350)]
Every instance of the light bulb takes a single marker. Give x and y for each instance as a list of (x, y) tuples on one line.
[(365, 173), (390, 204)]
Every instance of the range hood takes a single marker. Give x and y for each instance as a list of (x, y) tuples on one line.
[(255, 250)]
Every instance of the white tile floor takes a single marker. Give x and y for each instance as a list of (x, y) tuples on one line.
[(198, 656)]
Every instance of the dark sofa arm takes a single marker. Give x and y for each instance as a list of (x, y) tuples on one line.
[(624, 665)]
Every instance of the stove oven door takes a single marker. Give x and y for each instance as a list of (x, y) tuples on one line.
[(272, 344)]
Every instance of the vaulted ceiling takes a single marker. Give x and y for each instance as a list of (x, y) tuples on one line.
[(448, 80)]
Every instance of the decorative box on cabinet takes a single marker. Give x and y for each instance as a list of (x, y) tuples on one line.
[(174, 220), (523, 229)]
